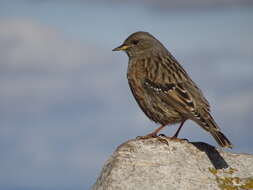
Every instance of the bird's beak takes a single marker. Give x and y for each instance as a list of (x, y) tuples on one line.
[(123, 47)]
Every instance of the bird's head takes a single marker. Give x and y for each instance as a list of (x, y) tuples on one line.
[(140, 43)]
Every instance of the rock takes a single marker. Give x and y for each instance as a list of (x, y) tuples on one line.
[(178, 165)]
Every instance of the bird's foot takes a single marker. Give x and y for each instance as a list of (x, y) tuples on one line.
[(163, 135), (154, 135), (175, 138), (148, 136)]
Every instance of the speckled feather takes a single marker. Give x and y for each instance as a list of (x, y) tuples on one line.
[(163, 89)]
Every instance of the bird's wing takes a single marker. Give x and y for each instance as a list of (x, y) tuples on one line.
[(176, 86), (173, 94), (176, 89)]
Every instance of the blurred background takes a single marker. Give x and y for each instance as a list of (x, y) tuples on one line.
[(65, 104)]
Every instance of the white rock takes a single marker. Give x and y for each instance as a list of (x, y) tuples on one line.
[(179, 165)]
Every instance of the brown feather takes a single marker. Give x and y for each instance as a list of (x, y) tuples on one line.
[(163, 89)]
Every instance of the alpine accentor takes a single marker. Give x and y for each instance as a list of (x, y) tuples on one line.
[(163, 89)]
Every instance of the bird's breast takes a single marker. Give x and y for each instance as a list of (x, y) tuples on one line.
[(136, 69)]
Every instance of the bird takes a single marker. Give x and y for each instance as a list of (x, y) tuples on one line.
[(163, 89)]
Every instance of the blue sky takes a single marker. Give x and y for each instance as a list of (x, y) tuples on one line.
[(65, 104)]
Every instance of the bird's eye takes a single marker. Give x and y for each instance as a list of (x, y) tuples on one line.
[(135, 42)]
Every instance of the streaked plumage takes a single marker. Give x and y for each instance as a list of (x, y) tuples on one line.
[(163, 89)]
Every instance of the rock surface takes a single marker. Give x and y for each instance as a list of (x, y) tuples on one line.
[(178, 165)]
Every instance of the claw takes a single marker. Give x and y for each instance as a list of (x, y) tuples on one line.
[(161, 137), (148, 136)]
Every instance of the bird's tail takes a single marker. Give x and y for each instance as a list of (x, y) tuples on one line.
[(221, 139), (210, 125)]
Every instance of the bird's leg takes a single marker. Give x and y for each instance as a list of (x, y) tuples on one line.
[(153, 134), (179, 128)]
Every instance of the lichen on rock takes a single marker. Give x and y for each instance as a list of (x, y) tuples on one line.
[(228, 180)]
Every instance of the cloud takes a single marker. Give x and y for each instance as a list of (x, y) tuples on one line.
[(54, 102), (40, 66), (28, 44), (45, 77)]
